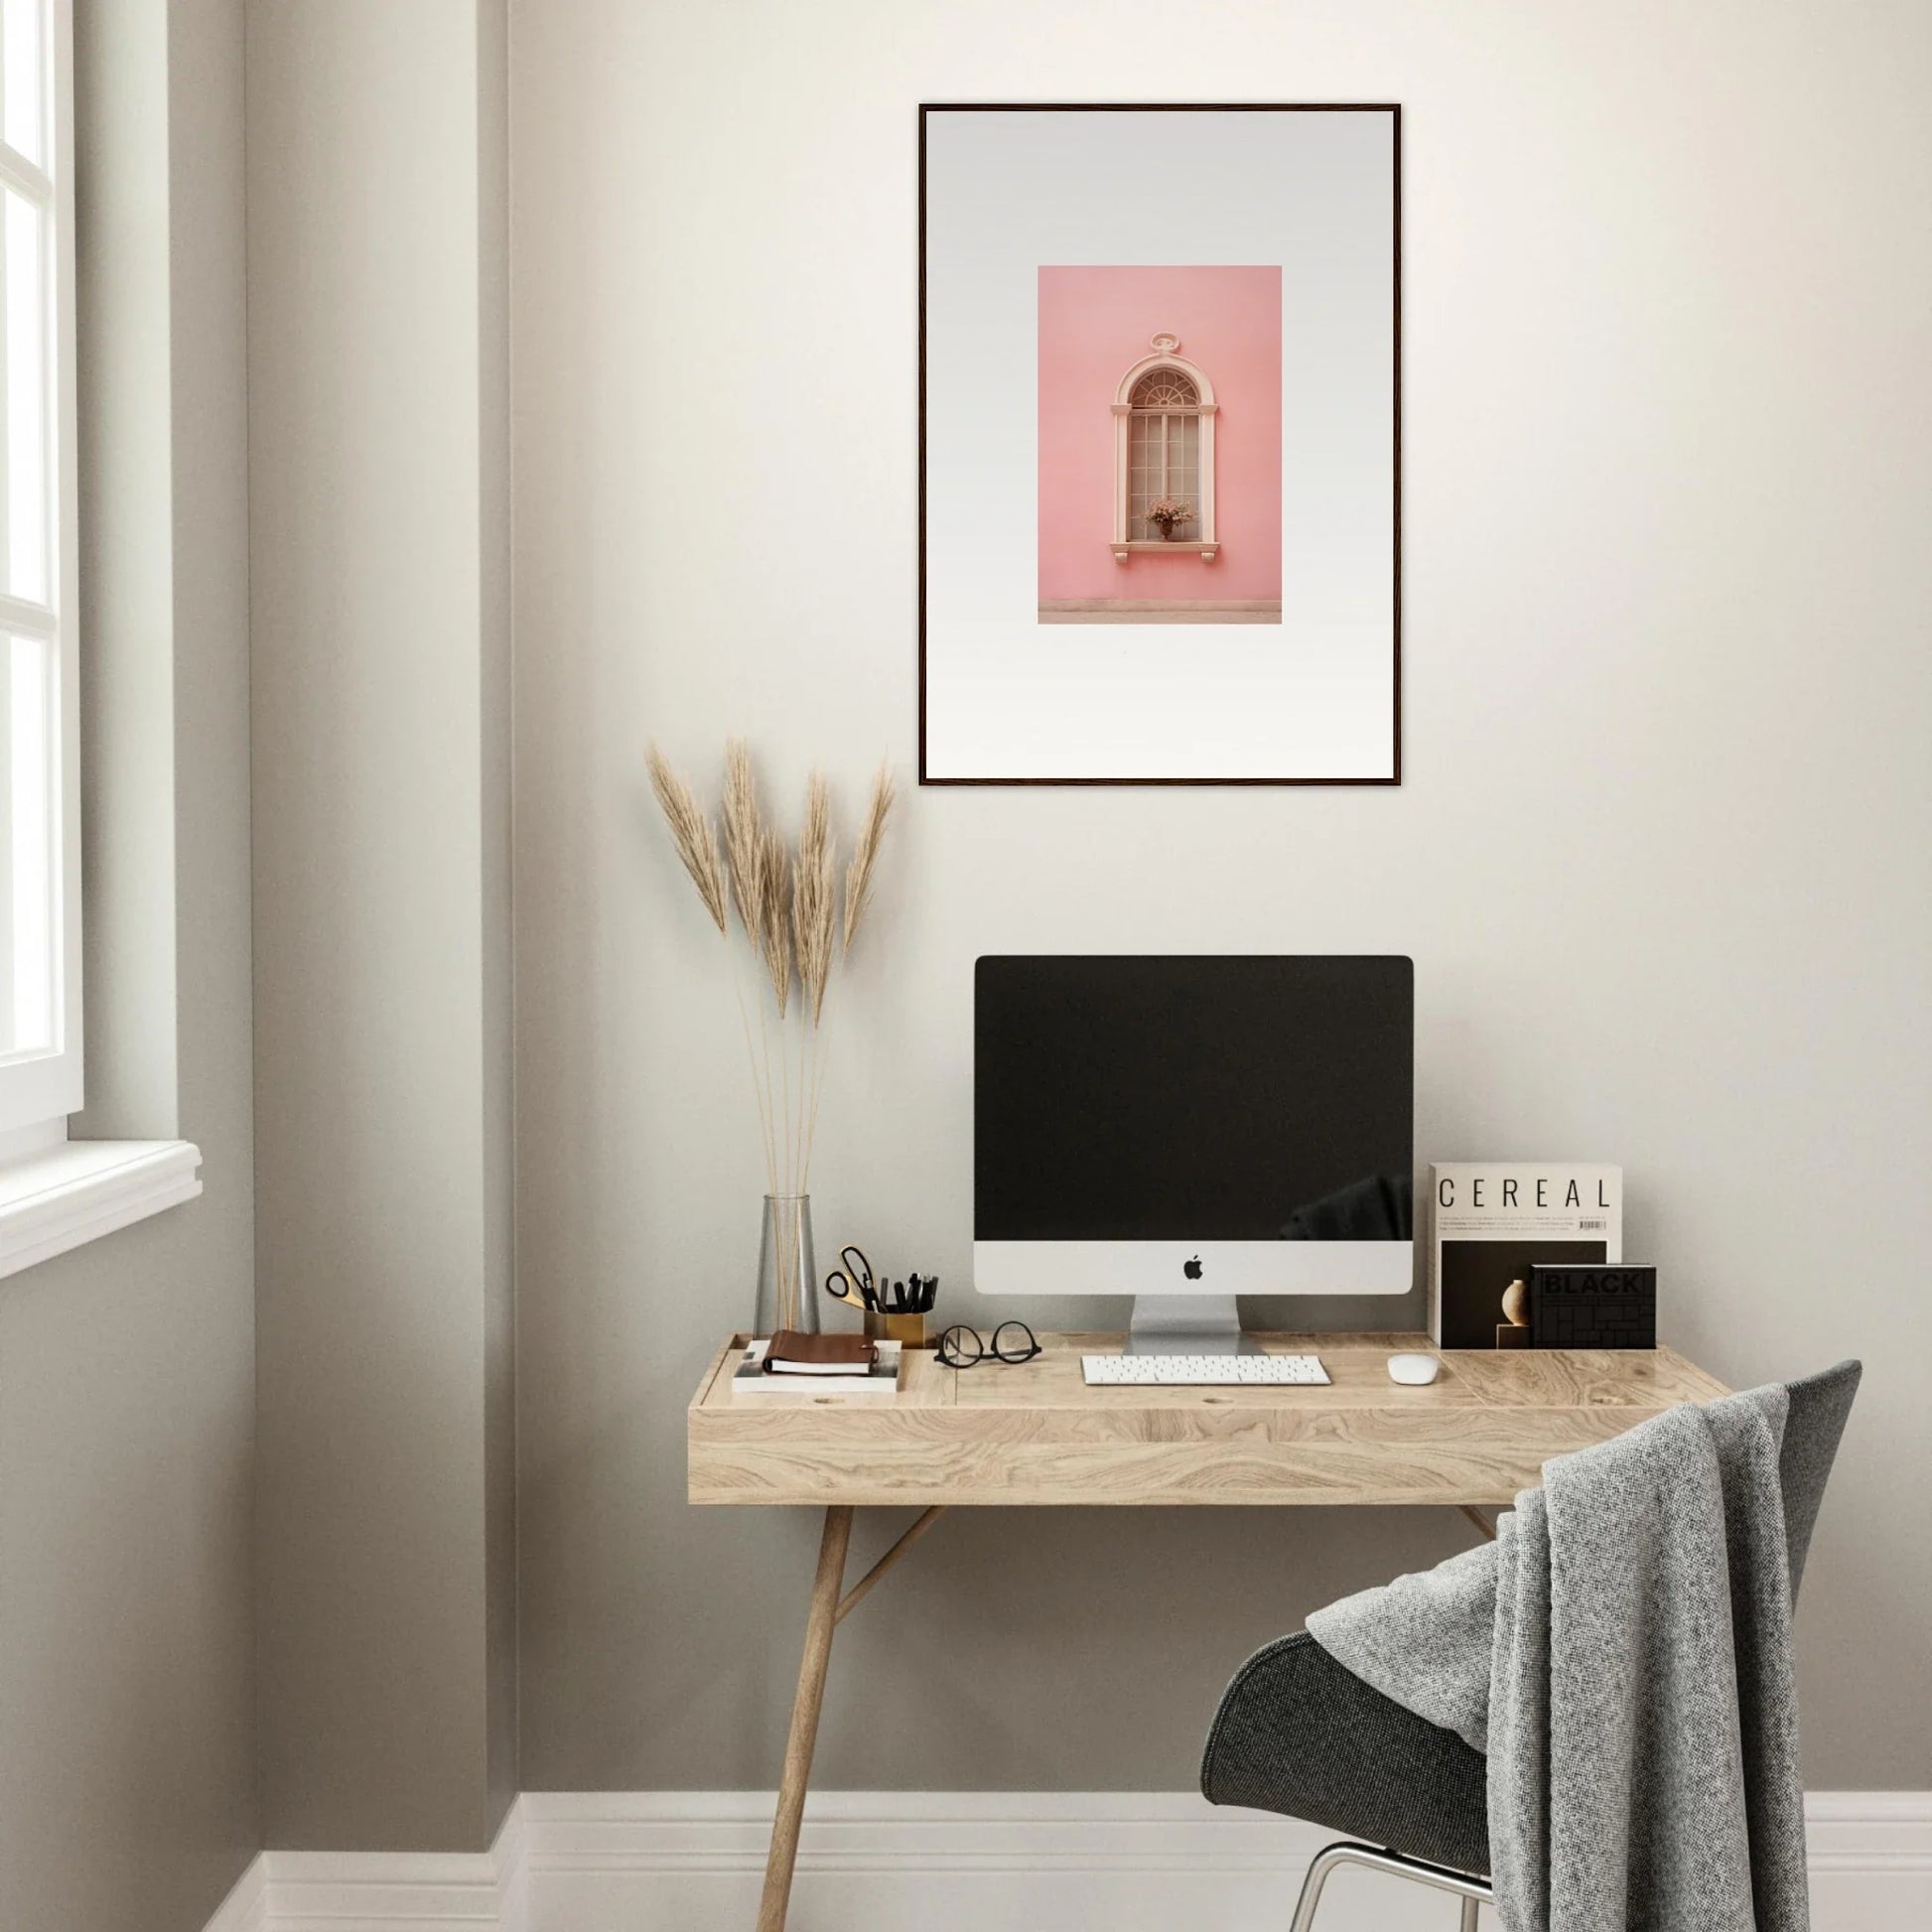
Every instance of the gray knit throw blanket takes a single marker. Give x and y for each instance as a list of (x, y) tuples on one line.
[(1622, 1652)]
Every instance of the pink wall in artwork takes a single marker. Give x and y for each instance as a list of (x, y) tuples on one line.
[(1095, 324)]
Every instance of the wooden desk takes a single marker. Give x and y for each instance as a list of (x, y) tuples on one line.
[(1033, 1434)]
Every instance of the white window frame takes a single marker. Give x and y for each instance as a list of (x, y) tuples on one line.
[(38, 1089), (1125, 544), (56, 1192)]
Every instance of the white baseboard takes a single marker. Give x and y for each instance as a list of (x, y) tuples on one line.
[(245, 1909), (1871, 1860), (954, 1861), (386, 1891)]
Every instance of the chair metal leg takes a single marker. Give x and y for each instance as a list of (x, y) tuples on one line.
[(1473, 1891), (1323, 1862)]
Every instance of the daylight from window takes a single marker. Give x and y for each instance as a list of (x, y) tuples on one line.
[(35, 656)]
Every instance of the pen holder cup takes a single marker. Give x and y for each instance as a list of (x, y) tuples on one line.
[(908, 1329)]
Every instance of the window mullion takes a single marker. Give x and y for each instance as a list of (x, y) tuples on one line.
[(7, 851), (26, 620), (6, 414), (24, 177)]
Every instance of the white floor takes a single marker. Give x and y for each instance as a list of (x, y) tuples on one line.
[(951, 1862)]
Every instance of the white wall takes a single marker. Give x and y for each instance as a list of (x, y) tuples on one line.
[(1660, 854)]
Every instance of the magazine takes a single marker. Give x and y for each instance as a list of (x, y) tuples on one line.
[(1489, 1220)]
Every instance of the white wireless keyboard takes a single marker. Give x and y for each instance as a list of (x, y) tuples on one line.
[(1200, 1371)]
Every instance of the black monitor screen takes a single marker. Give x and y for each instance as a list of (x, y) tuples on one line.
[(1235, 1098)]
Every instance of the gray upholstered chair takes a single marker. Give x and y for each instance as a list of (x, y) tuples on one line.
[(1298, 1734)]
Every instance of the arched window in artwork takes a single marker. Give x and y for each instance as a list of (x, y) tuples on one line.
[(1164, 461), (1163, 456)]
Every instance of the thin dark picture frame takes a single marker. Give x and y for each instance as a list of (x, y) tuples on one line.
[(1391, 108)]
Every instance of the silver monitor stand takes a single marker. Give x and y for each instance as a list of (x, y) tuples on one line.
[(1187, 1324)]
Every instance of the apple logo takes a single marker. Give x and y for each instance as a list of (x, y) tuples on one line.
[(1192, 1269)]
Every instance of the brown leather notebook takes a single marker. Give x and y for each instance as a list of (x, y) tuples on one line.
[(792, 1353)]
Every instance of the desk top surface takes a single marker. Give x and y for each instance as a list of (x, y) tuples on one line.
[(1034, 1432)]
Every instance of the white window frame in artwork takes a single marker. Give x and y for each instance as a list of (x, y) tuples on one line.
[(1206, 409)]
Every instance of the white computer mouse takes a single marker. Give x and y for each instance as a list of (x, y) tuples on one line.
[(1414, 1369)]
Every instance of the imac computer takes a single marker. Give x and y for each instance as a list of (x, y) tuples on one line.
[(1186, 1130)]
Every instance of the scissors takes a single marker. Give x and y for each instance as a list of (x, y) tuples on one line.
[(852, 1281)]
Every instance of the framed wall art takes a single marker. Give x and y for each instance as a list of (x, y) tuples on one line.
[(1160, 445)]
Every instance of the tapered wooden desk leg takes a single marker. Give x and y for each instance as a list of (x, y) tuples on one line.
[(804, 1719)]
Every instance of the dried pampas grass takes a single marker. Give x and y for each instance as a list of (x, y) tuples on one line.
[(814, 896), (745, 839), (864, 855), (788, 907), (691, 833), (774, 925)]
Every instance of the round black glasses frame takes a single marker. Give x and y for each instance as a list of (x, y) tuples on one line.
[(963, 1347)]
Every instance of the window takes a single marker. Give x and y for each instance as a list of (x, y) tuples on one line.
[(1164, 416), (55, 1193), (1163, 451), (40, 964)]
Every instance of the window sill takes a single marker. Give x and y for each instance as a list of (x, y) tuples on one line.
[(82, 1189), (1205, 551)]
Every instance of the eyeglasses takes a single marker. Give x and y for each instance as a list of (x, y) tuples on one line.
[(962, 1348)]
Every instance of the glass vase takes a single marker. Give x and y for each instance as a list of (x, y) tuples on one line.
[(787, 1272)]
